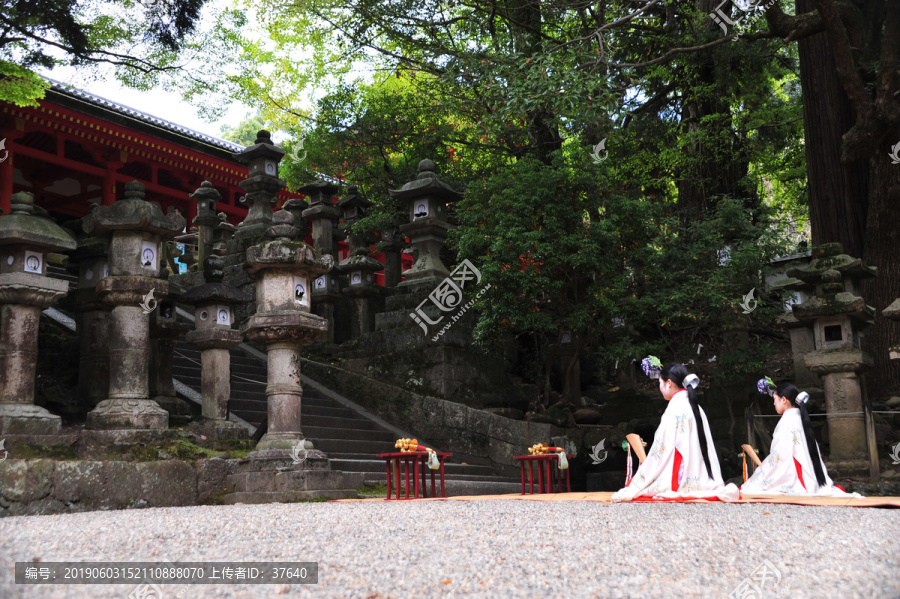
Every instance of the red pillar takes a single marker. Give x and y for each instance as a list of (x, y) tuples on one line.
[(109, 178)]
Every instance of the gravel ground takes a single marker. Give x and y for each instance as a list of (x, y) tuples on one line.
[(498, 548)]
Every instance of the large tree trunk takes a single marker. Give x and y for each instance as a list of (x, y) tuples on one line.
[(882, 241), (837, 192), (857, 203), (711, 171)]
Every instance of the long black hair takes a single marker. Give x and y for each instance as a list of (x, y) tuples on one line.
[(790, 392), (677, 373)]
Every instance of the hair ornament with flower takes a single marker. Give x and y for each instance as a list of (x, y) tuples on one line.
[(766, 386), (651, 366)]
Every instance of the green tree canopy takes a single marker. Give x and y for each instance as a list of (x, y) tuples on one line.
[(127, 34)]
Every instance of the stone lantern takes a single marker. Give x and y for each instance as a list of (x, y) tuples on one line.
[(262, 184), (391, 245), (191, 241), (135, 229), (359, 265), (206, 220), (838, 317), (90, 263), (284, 467), (165, 332), (25, 290), (802, 337), (322, 215), (283, 269), (223, 234), (296, 207), (426, 198), (214, 305)]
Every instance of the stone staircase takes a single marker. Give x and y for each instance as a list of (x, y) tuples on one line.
[(349, 438)]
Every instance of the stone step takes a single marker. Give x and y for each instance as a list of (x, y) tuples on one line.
[(341, 455), (370, 478), (246, 367), (357, 422), (377, 465), (459, 488), (306, 409), (353, 446), (243, 389), (322, 432), (253, 371), (286, 496), (252, 391), (454, 487), (191, 376), (258, 404), (240, 386)]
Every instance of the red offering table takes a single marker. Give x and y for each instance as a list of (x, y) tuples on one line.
[(419, 460), (546, 462)]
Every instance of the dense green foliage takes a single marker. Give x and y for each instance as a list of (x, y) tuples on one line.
[(621, 248), (627, 277)]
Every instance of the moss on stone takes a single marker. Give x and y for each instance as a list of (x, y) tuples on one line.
[(239, 453), (185, 450), (28, 452), (377, 490), (215, 498)]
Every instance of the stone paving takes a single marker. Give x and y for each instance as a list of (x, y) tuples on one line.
[(497, 548)]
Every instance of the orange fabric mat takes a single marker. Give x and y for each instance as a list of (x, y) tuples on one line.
[(603, 497)]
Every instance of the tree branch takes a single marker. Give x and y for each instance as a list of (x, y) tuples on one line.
[(665, 57), (120, 59)]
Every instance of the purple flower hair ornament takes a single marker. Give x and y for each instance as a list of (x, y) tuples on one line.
[(766, 386), (651, 366)]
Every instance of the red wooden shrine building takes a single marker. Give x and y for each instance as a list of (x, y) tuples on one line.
[(76, 149)]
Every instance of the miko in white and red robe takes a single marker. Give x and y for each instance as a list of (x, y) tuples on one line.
[(788, 469), (674, 467)]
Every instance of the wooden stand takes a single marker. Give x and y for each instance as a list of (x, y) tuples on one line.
[(418, 459), (546, 462)]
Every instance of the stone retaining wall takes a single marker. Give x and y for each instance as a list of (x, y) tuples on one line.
[(44, 486), (474, 436)]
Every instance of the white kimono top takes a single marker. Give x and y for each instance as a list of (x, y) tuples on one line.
[(788, 469), (674, 466)]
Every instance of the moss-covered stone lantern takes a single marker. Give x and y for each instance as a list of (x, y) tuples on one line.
[(262, 184), (838, 318), (426, 198), (283, 323), (135, 229), (214, 304), (25, 290)]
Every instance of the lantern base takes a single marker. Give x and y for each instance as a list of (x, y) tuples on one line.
[(273, 476), (127, 436), (127, 414), (284, 442), (847, 468), (28, 419)]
